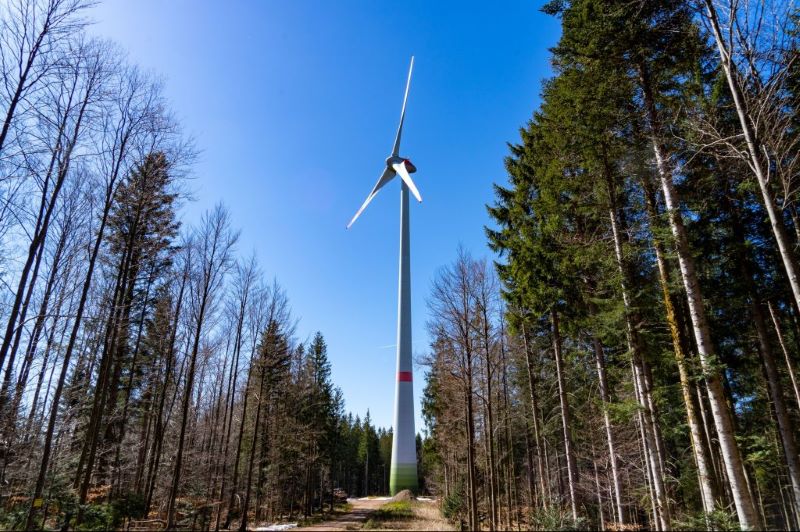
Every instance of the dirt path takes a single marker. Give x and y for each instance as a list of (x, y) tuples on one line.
[(357, 516)]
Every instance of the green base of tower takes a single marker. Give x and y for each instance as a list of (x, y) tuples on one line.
[(403, 477)]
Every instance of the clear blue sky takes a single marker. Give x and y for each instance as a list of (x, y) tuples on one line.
[(294, 106)]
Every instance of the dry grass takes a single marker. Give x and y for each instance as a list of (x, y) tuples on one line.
[(423, 516), (427, 516)]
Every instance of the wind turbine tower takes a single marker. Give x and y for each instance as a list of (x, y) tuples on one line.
[(403, 472)]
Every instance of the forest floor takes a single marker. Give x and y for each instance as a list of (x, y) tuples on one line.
[(382, 514)]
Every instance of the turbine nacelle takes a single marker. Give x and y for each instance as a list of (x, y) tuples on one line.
[(395, 165), (394, 159)]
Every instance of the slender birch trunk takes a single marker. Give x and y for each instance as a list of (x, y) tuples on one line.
[(599, 358), (599, 491), (572, 471), (648, 468), (651, 431)]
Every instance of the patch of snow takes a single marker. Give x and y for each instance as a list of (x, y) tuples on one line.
[(426, 499), (375, 499), (282, 526)]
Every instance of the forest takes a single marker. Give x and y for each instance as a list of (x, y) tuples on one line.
[(147, 366), (633, 362), (625, 360)]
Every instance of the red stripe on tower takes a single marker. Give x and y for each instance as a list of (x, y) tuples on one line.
[(404, 376)]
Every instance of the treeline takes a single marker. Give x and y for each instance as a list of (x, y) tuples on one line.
[(147, 370), (639, 369)]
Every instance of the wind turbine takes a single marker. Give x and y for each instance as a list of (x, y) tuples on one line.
[(403, 472)]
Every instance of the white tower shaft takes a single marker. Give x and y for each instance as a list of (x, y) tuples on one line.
[(403, 474)]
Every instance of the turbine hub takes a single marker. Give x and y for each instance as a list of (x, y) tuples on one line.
[(393, 159)]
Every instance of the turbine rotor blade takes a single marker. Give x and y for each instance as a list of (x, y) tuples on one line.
[(385, 177), (400, 168), (396, 148)]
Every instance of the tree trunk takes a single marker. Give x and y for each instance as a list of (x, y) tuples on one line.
[(535, 417), (49, 344), (33, 53), (46, 208), (756, 162), (12, 355), (648, 465), (489, 375), (470, 429), (651, 432), (122, 291), (256, 426), (158, 431), (723, 420), (787, 358), (176, 476), (785, 427), (599, 491), (234, 482), (41, 318), (612, 455), (699, 442), (48, 442), (129, 385), (572, 471), (509, 443)]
